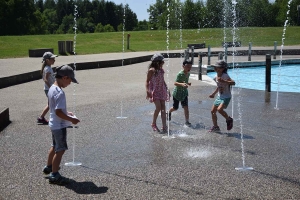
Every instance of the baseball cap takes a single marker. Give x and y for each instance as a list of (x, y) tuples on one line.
[(66, 70), (48, 55), (220, 63), (157, 57)]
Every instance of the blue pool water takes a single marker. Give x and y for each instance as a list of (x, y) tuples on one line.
[(254, 77)]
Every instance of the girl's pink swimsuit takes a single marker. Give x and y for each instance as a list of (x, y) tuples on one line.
[(157, 87)]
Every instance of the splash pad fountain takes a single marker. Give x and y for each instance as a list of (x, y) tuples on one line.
[(123, 50), (168, 70), (234, 28), (239, 97), (281, 52), (73, 162)]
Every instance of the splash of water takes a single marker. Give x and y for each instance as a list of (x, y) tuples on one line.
[(74, 52), (73, 163), (240, 116), (234, 29), (168, 61), (124, 20), (199, 153), (224, 22), (180, 25), (180, 31), (123, 50), (281, 51)]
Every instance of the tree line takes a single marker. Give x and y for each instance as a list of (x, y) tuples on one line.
[(30, 17)]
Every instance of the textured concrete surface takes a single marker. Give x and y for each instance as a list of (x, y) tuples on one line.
[(124, 159)]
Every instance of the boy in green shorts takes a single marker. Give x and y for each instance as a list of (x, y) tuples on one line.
[(180, 92)]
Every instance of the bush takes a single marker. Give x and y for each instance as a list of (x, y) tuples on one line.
[(109, 28), (99, 28)]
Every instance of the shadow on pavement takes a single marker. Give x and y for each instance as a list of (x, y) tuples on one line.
[(86, 188), (238, 136), (285, 179), (145, 181)]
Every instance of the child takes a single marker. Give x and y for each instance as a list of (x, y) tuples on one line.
[(59, 120), (180, 92), (157, 90), (48, 78), (224, 95)]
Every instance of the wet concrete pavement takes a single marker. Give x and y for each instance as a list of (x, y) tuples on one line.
[(124, 159)]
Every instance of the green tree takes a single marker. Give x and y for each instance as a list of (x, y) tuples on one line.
[(94, 12), (281, 10), (120, 27), (66, 25), (61, 10), (111, 16), (200, 11), (6, 17), (259, 13), (99, 28), (39, 5), (294, 13), (51, 20), (164, 13), (100, 14), (214, 13), (191, 14), (40, 26), (24, 19), (49, 4), (142, 26), (131, 20), (155, 12)]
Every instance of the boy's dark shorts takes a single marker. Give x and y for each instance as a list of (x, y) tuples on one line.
[(59, 139), (183, 103)]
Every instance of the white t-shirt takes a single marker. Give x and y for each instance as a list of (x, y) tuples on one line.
[(57, 100), (224, 88), (51, 78)]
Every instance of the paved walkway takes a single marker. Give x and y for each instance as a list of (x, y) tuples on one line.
[(124, 159)]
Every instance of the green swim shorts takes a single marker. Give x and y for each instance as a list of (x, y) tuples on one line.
[(224, 101)]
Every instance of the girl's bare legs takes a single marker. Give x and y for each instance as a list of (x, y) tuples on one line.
[(214, 115), (222, 112), (156, 111), (163, 114)]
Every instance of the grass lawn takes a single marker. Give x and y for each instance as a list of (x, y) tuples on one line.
[(94, 43)]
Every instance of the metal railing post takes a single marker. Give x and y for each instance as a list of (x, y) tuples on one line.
[(200, 66)]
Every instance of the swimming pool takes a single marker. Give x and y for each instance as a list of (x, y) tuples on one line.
[(254, 77)]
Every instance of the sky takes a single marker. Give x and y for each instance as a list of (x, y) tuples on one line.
[(139, 7)]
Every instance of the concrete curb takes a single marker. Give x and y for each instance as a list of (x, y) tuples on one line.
[(19, 79), (35, 75), (4, 119)]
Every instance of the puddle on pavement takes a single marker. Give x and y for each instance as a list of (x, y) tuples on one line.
[(198, 153)]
